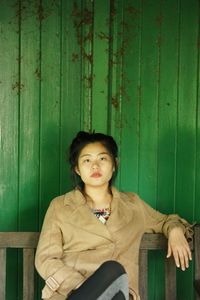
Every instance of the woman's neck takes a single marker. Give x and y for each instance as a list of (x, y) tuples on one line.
[(98, 198)]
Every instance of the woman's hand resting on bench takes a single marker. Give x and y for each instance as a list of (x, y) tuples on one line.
[(179, 248)]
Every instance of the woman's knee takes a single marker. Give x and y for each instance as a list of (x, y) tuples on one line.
[(113, 267)]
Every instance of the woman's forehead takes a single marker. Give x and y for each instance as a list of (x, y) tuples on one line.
[(93, 149)]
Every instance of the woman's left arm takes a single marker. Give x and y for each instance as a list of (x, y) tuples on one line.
[(179, 248), (177, 230)]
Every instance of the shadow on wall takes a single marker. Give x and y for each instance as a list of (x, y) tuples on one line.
[(178, 173)]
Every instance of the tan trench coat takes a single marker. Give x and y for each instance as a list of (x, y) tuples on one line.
[(74, 243)]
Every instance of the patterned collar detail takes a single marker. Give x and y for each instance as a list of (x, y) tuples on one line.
[(102, 214)]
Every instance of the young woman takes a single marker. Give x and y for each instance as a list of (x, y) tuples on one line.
[(89, 243)]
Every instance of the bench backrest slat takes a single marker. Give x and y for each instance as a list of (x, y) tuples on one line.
[(170, 279), (143, 274), (28, 274), (19, 239), (3, 274), (197, 254)]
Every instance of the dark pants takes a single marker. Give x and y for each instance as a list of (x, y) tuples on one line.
[(109, 281)]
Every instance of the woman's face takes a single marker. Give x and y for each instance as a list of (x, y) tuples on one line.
[(95, 165)]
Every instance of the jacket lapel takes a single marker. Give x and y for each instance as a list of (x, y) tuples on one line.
[(121, 214), (83, 217)]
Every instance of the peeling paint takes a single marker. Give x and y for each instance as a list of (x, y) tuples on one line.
[(115, 102), (132, 10), (89, 80), (75, 57), (102, 36), (38, 74), (17, 86)]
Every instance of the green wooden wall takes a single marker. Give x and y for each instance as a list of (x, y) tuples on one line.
[(127, 68)]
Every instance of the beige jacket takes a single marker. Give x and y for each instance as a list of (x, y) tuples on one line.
[(74, 243)]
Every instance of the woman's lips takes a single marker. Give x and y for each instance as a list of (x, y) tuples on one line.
[(96, 175)]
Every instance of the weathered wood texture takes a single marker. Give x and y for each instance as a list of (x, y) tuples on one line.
[(28, 242)]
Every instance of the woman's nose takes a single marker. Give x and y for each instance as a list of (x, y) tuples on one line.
[(95, 165)]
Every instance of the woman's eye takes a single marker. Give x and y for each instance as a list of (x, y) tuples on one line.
[(86, 160), (102, 158)]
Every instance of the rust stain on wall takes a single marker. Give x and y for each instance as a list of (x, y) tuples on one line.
[(127, 31), (83, 21)]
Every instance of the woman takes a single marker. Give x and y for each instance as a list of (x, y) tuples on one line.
[(89, 243)]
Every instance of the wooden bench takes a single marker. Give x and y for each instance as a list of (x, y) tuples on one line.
[(27, 241)]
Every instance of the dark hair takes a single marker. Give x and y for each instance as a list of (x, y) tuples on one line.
[(84, 138)]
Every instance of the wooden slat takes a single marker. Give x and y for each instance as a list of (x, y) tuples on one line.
[(3, 274), (153, 242), (170, 279), (29, 117), (156, 241), (71, 75), (19, 239), (143, 274), (197, 255), (197, 287), (100, 67), (129, 149), (28, 274)]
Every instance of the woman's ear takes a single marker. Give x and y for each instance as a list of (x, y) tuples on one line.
[(77, 170), (116, 164)]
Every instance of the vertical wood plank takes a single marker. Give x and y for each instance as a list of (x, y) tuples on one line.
[(197, 169), (50, 104), (101, 41), (186, 134), (131, 95), (29, 122), (9, 102), (30, 75), (71, 83), (85, 37), (187, 109), (168, 23), (10, 86), (28, 274), (149, 102), (167, 135), (115, 77), (150, 56)]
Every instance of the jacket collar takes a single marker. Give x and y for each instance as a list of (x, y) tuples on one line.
[(74, 198)]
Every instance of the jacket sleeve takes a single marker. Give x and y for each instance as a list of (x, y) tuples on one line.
[(156, 222), (59, 277)]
